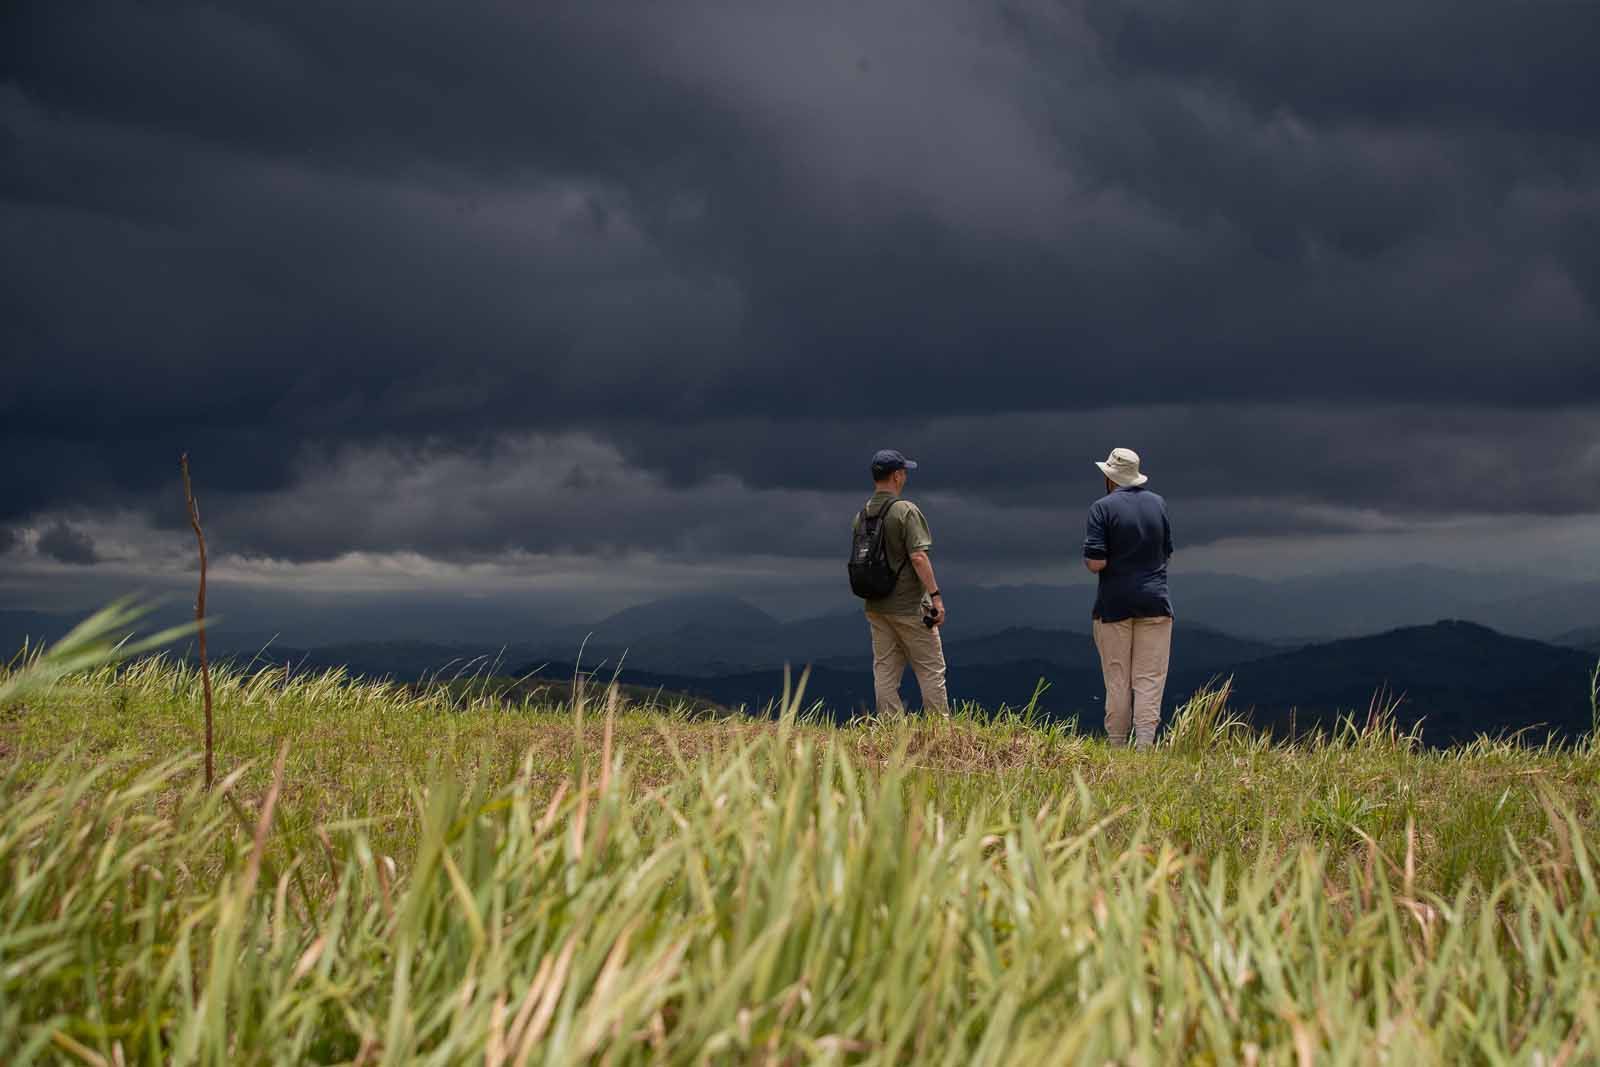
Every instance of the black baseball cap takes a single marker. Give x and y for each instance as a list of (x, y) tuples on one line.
[(888, 460)]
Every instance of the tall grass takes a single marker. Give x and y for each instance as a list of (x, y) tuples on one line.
[(636, 888), (104, 638)]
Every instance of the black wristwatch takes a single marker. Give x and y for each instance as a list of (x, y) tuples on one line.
[(934, 594)]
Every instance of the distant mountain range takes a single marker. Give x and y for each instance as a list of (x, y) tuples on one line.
[(30, 627), (709, 635), (1586, 638), (1456, 679), (1286, 612), (1328, 606), (1460, 678)]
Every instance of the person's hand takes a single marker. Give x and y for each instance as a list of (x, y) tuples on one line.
[(938, 612)]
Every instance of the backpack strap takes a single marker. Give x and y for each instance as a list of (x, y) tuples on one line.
[(883, 516)]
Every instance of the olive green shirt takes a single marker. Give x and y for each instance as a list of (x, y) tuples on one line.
[(906, 532)]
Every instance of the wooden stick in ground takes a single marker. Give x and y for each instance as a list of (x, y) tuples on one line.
[(200, 605)]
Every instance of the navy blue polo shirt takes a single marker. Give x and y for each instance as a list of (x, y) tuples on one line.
[(1129, 530)]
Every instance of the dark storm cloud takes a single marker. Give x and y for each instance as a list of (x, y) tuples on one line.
[(1518, 66), (67, 544), (1403, 459), (1009, 491), (1310, 260)]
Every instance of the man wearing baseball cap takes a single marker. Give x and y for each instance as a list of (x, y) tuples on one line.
[(905, 623), (1128, 544)]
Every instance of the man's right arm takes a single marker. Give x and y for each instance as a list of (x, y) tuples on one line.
[(917, 542), (1094, 541), (924, 568)]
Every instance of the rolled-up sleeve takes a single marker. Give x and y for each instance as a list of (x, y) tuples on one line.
[(918, 538), (1094, 541)]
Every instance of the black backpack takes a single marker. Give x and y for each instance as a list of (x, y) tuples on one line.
[(871, 577)]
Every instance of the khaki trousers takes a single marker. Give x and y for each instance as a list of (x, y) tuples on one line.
[(896, 641), (1133, 657)]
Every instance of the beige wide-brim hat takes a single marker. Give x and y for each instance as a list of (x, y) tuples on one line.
[(1122, 467)]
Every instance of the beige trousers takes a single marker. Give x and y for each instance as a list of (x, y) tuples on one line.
[(896, 641), (1133, 657)]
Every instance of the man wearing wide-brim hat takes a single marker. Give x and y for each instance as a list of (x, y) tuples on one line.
[(1128, 544)]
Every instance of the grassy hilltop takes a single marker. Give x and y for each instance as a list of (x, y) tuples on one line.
[(444, 877)]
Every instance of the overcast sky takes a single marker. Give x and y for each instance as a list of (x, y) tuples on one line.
[(590, 301)]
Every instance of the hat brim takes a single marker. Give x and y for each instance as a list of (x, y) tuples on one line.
[(911, 464), (1137, 480)]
